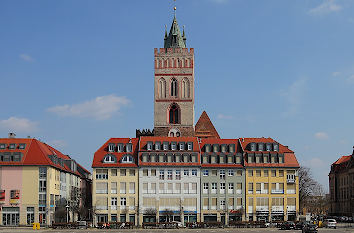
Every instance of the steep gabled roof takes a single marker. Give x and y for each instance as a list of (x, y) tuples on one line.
[(174, 38), (205, 128)]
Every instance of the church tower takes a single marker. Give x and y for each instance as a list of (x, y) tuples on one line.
[(174, 86)]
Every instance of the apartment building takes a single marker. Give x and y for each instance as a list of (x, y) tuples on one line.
[(169, 179), (271, 180), (35, 179), (115, 181), (222, 180)]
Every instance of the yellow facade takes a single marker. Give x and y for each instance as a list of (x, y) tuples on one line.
[(102, 200), (276, 178)]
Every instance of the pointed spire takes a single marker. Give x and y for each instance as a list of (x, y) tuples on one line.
[(174, 38)]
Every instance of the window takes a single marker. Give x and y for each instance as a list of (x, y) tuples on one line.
[(250, 188), (178, 174), (258, 188), (153, 172), (161, 187), (194, 188), (145, 187), (169, 174), (185, 88), (132, 188), (12, 146), (109, 159), (15, 194), (42, 173), (122, 188), (123, 172), (101, 188), (214, 187), (265, 173), (153, 188), (22, 146), (114, 203), (274, 173), (194, 172), (231, 172), (114, 188), (231, 188), (162, 87), (173, 146), (145, 172), (101, 174), (127, 159), (189, 146), (123, 201), (214, 172), (120, 147), (222, 174), (162, 174), (205, 188), (222, 204), (250, 173), (258, 173), (131, 172), (169, 188), (174, 114), (174, 87), (157, 145), (205, 172), (281, 173), (113, 172), (239, 173), (42, 186), (2, 146), (129, 147), (111, 147), (186, 172), (30, 215), (149, 146), (181, 146), (222, 188), (165, 146)]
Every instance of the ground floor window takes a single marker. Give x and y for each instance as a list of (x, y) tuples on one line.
[(278, 217), (10, 216), (235, 217), (210, 217), (149, 218), (132, 218), (42, 216), (123, 218), (102, 218), (113, 218), (30, 215), (291, 217), (172, 218), (190, 218)]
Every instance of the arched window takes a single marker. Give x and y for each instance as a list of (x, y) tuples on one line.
[(109, 159), (172, 134), (174, 87), (162, 88), (127, 159), (174, 114), (185, 88)]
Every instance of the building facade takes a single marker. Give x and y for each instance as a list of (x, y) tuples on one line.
[(115, 181), (169, 179), (341, 186), (272, 182), (36, 181), (222, 180)]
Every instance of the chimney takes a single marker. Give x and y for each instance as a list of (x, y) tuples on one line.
[(12, 135)]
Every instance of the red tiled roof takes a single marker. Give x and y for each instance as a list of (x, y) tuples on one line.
[(102, 152), (35, 153), (343, 159), (289, 156), (205, 128)]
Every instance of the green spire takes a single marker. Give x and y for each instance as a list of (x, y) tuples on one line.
[(174, 38)]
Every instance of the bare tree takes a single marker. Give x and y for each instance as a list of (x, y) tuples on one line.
[(168, 214)]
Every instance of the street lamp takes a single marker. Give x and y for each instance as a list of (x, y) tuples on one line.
[(67, 212)]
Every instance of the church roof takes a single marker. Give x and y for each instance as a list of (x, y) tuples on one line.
[(174, 39), (205, 128)]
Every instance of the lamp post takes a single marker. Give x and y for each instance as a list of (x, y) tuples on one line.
[(67, 212)]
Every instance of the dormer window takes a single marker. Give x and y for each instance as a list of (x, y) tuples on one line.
[(260, 146), (109, 159), (127, 159), (253, 146), (223, 148), (181, 146), (149, 146), (12, 146), (22, 146), (215, 148), (111, 147), (232, 148), (173, 146), (2, 146), (165, 145), (276, 147), (129, 147), (190, 146), (268, 147), (157, 145), (207, 148), (120, 147)]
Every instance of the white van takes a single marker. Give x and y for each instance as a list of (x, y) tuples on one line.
[(330, 223)]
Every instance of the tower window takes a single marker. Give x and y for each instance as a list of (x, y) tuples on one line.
[(174, 114), (174, 87)]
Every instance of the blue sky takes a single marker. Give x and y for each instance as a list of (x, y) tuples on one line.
[(75, 73)]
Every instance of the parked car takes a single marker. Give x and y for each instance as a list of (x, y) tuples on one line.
[(299, 225), (330, 223), (287, 225), (309, 228), (82, 224)]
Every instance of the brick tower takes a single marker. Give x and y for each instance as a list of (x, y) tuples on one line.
[(174, 86)]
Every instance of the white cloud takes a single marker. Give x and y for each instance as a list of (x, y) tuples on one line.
[(321, 135), (328, 6), (18, 125), (26, 57), (294, 95), (224, 117), (100, 108)]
